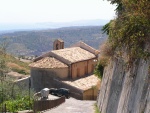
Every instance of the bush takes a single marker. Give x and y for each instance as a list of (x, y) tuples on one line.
[(129, 32), (106, 50), (19, 104), (99, 70), (15, 97), (20, 71)]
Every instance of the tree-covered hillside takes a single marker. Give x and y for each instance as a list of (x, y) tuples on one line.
[(36, 42)]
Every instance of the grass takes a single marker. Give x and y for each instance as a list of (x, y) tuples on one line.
[(18, 68), (17, 65), (96, 108)]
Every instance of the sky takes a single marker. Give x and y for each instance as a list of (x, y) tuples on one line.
[(35, 11)]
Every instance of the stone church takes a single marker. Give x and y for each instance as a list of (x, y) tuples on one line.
[(65, 65)]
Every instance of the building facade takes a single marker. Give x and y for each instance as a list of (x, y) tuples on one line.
[(63, 63)]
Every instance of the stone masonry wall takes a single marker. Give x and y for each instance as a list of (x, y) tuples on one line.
[(125, 91)]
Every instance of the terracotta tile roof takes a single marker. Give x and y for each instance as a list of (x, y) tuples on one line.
[(74, 54), (60, 40), (84, 83), (86, 47), (48, 62)]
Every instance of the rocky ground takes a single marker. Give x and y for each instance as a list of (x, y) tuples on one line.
[(74, 106)]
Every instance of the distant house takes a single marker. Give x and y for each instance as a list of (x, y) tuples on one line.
[(62, 64)]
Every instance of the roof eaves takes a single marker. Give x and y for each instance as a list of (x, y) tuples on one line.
[(42, 56), (86, 47)]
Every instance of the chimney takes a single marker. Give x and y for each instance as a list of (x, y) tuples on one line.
[(58, 44)]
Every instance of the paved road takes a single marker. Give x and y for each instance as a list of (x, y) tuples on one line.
[(74, 106)]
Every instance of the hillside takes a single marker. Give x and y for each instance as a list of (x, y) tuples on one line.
[(4, 27), (38, 41), (15, 65)]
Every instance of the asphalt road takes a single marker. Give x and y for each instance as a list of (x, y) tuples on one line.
[(72, 105)]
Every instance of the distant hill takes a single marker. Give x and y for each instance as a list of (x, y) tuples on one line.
[(38, 41), (4, 27)]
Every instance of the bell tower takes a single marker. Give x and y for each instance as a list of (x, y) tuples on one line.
[(58, 44)]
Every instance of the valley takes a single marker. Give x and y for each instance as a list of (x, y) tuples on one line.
[(36, 42)]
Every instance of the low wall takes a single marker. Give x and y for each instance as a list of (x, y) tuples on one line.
[(90, 94), (24, 83), (42, 105), (43, 78), (74, 92)]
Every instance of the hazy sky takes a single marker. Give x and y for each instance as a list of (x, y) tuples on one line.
[(33, 11)]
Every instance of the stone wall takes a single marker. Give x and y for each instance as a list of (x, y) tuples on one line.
[(90, 94), (42, 78), (23, 83), (74, 92), (46, 79), (125, 90), (43, 105)]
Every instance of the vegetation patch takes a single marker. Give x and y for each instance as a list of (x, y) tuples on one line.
[(14, 64), (96, 108), (14, 97), (22, 69), (10, 62), (130, 31), (19, 104), (99, 70)]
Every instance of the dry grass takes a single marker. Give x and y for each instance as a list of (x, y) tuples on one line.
[(18, 68), (15, 65), (106, 52), (106, 49)]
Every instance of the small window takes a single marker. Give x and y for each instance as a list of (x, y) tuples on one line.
[(78, 72), (57, 46)]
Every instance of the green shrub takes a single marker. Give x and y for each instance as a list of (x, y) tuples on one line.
[(19, 104), (15, 97), (129, 32), (96, 108), (21, 71), (99, 70)]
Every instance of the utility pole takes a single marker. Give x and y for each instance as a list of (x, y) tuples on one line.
[(29, 93)]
